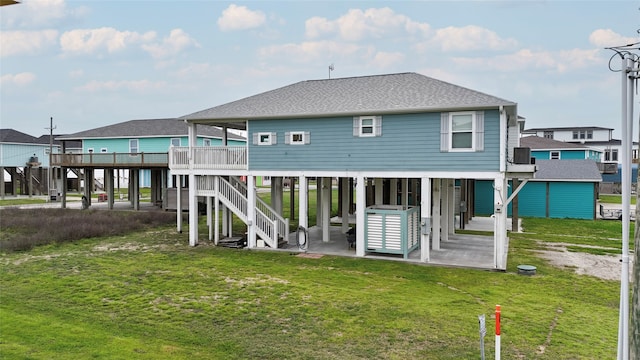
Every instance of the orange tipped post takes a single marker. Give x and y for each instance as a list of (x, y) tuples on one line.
[(497, 332)]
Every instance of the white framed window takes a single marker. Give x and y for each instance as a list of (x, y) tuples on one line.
[(367, 126), (297, 138), (133, 146), (264, 138), (103, 150), (554, 155), (462, 131), (175, 141), (206, 142)]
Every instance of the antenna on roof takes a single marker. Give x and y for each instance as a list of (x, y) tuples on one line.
[(330, 70)]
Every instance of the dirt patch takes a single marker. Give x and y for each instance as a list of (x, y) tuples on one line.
[(606, 267)]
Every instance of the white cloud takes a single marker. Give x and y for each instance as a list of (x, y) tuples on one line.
[(88, 41), (357, 24), (468, 38), (240, 18), (177, 41), (603, 38), (26, 42), (527, 60), (310, 50), (19, 79), (40, 13), (129, 85), (387, 59)]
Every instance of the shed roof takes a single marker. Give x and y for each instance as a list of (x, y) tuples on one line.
[(567, 170), (365, 95), (170, 127), (539, 143)]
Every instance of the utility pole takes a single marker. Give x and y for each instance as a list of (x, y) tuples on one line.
[(630, 68)]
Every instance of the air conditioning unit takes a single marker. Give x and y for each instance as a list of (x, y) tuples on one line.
[(522, 155)]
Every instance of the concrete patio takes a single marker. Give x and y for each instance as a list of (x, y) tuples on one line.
[(461, 250)]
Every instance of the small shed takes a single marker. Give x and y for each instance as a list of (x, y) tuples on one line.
[(560, 189)]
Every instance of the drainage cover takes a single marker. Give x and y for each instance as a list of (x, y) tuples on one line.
[(526, 270)]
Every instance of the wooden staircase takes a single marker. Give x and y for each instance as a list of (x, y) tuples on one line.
[(271, 227)]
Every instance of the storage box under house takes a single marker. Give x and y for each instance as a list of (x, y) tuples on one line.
[(392, 229)]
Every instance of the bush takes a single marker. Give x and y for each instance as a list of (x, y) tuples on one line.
[(25, 229)]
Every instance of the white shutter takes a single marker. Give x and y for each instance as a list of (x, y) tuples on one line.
[(444, 132), (378, 126), (356, 126), (274, 138), (287, 138), (255, 139), (480, 131), (307, 137)]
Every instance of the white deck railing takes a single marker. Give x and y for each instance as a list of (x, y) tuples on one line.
[(208, 157)]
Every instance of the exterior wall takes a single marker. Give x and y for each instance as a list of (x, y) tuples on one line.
[(409, 142), (567, 154), (567, 135), (17, 155), (151, 144), (553, 199)]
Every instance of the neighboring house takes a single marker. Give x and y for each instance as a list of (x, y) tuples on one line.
[(560, 189), (24, 162), (138, 145), (566, 184), (593, 136), (403, 139), (548, 149)]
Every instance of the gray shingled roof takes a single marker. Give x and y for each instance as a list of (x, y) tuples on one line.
[(148, 128), (567, 170), (537, 143), (15, 136), (379, 94)]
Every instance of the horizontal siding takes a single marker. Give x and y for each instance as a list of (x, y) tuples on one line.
[(409, 142), (17, 155), (571, 200), (532, 200), (483, 202)]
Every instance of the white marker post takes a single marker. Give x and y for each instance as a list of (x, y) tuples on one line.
[(497, 332)]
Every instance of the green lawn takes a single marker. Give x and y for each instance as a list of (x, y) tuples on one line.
[(614, 199), (148, 295)]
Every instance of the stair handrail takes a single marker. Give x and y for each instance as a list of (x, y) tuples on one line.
[(283, 223)]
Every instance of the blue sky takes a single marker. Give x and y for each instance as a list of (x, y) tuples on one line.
[(93, 63)]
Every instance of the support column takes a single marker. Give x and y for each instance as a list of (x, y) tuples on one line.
[(435, 200), (500, 222), (393, 191), (345, 201), (193, 210), (2, 187), (319, 182), (379, 191), (404, 188), (88, 184), (452, 206), (179, 203), (303, 219), (276, 194), (210, 217), (251, 212), (63, 201), (292, 198), (361, 204), (326, 209), (108, 184), (444, 213), (216, 210), (135, 193), (425, 208)]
